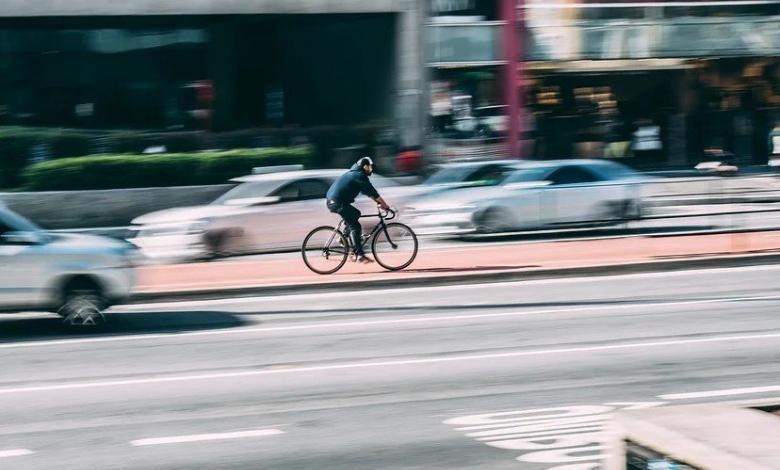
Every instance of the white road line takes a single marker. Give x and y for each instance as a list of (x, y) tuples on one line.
[(154, 441), (395, 291), (327, 325), (381, 364), (15, 453), (720, 393)]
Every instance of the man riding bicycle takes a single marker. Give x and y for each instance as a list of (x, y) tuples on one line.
[(342, 194)]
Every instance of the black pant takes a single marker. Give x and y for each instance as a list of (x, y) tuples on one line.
[(351, 217)]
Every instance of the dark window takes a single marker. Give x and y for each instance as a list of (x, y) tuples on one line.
[(572, 175), (288, 192), (490, 174), (302, 190), (312, 189), (3, 229)]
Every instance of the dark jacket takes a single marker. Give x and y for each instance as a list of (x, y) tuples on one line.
[(347, 187)]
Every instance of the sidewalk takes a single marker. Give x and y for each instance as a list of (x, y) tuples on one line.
[(461, 264)]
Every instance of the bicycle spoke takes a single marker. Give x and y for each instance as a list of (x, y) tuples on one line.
[(395, 247), (325, 250)]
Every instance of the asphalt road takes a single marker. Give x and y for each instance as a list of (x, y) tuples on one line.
[(394, 378)]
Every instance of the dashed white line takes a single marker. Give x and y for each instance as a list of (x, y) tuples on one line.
[(381, 364), (15, 453), (154, 441), (720, 393)]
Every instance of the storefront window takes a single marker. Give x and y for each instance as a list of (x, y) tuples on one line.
[(100, 78), (464, 43), (570, 32)]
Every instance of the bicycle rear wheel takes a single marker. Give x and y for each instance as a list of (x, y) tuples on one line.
[(395, 248), (325, 250)]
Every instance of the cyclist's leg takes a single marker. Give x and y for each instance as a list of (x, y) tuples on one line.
[(351, 217)]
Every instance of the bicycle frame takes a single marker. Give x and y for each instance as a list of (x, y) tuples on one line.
[(381, 226)]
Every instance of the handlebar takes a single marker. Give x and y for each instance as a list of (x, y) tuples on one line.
[(390, 212), (383, 214)]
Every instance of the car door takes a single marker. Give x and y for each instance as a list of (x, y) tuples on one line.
[(20, 272), (570, 198), (301, 208)]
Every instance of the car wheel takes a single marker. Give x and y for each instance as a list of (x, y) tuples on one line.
[(218, 242), (493, 220), (83, 306), (628, 210)]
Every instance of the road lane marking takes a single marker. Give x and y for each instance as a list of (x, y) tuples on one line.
[(571, 436), (381, 364), (340, 296), (327, 325), (154, 441), (15, 453), (720, 393)]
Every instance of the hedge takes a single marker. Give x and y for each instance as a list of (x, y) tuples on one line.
[(169, 169), (19, 145)]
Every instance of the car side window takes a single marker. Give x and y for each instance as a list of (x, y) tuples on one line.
[(288, 192), (3, 229), (303, 190), (312, 189), (572, 175), (490, 174)]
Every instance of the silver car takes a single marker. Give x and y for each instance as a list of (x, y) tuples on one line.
[(537, 195), (263, 213), (76, 276)]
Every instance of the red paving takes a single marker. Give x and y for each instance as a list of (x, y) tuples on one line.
[(456, 261)]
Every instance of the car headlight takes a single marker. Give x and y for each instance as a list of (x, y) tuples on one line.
[(198, 227)]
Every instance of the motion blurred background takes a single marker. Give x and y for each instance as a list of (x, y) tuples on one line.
[(177, 153)]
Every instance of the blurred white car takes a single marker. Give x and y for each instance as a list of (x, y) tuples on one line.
[(76, 276), (263, 213), (538, 195)]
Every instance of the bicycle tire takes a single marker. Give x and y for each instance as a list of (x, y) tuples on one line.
[(378, 256), (339, 237)]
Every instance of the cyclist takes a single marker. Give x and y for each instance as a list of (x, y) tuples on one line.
[(342, 194)]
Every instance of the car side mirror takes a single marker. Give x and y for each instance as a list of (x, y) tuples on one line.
[(22, 238)]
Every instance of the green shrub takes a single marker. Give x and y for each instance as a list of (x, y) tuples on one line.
[(17, 144), (170, 169)]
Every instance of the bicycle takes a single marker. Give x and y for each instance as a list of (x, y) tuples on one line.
[(394, 245)]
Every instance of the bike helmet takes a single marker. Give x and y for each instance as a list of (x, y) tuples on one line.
[(365, 161)]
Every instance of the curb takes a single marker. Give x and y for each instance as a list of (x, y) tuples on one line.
[(729, 261)]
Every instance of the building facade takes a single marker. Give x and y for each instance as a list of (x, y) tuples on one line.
[(213, 65), (594, 77)]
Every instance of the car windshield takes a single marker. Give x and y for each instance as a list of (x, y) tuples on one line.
[(485, 175), (249, 190), (615, 171), (453, 174), (527, 175), (16, 222)]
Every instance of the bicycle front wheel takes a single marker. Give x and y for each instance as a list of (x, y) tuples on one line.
[(395, 247), (325, 250)]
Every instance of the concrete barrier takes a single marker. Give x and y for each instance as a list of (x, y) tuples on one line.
[(713, 436), (103, 208)]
